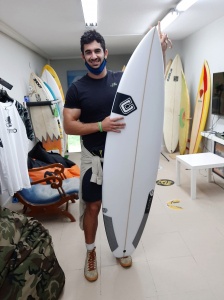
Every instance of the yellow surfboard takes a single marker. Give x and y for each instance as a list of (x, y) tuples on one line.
[(201, 108), (56, 78), (184, 119)]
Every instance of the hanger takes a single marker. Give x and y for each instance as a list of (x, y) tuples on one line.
[(4, 97)]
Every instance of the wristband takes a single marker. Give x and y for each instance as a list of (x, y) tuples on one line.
[(100, 126)]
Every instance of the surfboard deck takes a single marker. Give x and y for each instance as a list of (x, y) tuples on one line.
[(201, 108), (131, 158), (44, 122), (172, 105), (184, 119)]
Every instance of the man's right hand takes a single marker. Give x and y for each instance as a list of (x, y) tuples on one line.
[(113, 124)]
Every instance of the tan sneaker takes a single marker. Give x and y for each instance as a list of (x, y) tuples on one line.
[(90, 270), (125, 261)]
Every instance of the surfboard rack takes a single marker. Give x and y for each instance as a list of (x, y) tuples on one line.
[(6, 84), (39, 103), (43, 103)]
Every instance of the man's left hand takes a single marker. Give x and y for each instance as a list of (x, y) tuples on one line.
[(165, 41)]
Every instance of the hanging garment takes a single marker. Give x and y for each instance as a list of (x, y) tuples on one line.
[(13, 149), (23, 112)]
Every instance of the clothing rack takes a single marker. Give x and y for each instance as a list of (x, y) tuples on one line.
[(6, 84), (4, 97)]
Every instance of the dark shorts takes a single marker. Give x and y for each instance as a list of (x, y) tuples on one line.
[(91, 191)]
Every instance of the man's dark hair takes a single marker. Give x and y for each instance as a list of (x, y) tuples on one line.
[(91, 36)]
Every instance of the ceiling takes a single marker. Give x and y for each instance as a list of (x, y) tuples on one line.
[(53, 28)]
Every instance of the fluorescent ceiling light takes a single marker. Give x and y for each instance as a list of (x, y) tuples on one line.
[(174, 13), (185, 4), (168, 19), (89, 8)]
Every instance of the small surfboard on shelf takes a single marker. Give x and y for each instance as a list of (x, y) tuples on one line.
[(48, 79), (44, 120), (56, 109)]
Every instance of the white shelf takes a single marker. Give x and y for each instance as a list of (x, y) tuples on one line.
[(212, 136)]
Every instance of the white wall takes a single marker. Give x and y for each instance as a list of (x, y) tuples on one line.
[(17, 62), (206, 44), (176, 49)]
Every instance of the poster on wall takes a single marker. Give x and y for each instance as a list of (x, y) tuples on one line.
[(74, 75), (219, 150)]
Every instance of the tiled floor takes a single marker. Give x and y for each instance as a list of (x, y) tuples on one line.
[(180, 255)]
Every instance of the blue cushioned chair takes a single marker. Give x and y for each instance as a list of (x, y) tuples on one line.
[(49, 197)]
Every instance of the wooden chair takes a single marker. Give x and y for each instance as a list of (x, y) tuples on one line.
[(48, 197)]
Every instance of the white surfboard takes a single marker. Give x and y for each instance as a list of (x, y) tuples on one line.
[(47, 77), (47, 126), (43, 120), (173, 85), (56, 108), (132, 157)]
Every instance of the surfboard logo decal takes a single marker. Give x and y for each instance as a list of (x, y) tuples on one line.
[(182, 118), (37, 96), (169, 75), (172, 204), (165, 182), (144, 219), (123, 105), (37, 83)]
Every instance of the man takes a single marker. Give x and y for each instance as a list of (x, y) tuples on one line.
[(86, 113)]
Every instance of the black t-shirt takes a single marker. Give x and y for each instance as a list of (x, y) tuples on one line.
[(95, 99)]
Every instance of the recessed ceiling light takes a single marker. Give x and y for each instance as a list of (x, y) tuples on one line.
[(89, 8), (185, 4)]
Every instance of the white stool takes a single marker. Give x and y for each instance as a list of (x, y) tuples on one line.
[(198, 161)]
